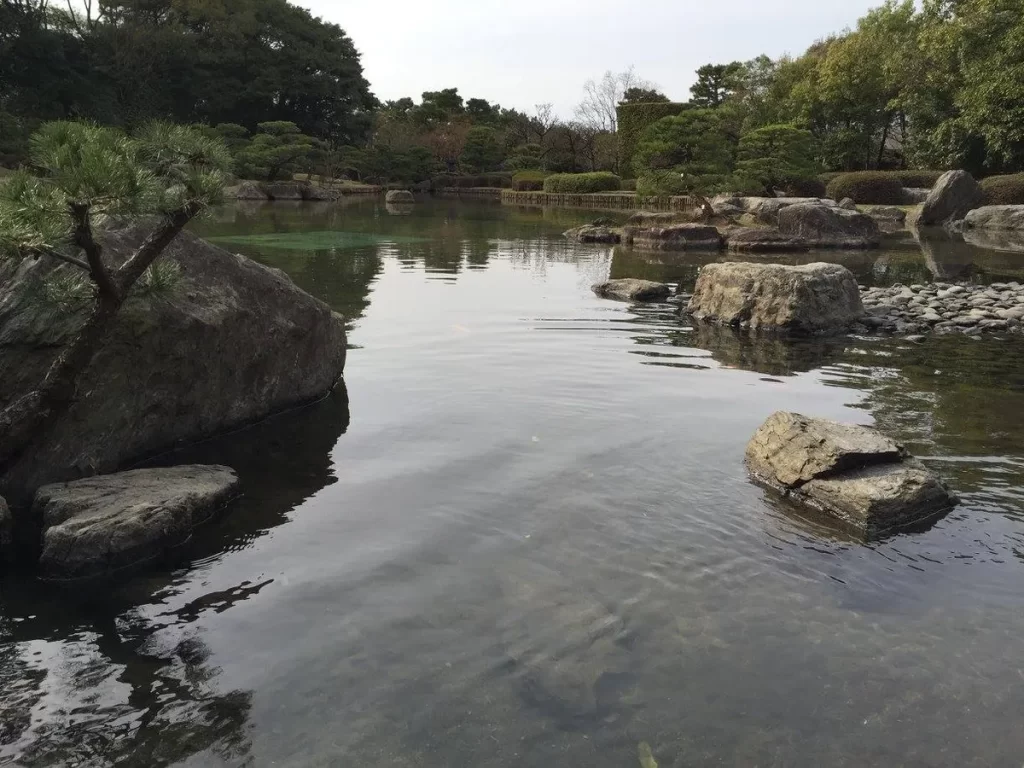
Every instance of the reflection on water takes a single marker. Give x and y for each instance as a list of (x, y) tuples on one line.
[(534, 542)]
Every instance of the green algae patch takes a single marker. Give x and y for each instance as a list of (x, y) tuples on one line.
[(313, 241), (646, 757)]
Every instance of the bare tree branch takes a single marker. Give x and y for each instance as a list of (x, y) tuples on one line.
[(42, 251)]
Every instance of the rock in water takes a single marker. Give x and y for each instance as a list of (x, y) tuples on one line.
[(954, 195), (399, 196), (251, 191), (756, 240), (829, 227), (996, 217), (590, 233), (675, 237), (631, 289), (808, 299), (284, 191), (853, 473), (230, 343), (111, 523)]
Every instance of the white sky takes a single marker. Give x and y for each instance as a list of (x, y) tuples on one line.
[(526, 52)]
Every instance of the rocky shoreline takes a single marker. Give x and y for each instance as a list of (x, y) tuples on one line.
[(943, 308)]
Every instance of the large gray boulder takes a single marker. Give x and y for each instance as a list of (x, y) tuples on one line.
[(808, 299), (109, 524), (249, 190), (1009, 217), (954, 195), (674, 237), (631, 289), (852, 473), (767, 209), (590, 233), (230, 343), (829, 226)]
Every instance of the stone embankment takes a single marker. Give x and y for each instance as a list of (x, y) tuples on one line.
[(944, 308)]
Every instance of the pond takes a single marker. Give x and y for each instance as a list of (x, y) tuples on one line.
[(522, 534)]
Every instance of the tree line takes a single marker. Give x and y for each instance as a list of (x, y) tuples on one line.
[(935, 86)]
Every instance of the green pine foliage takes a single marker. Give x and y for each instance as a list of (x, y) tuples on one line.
[(634, 118), (277, 151), (777, 156)]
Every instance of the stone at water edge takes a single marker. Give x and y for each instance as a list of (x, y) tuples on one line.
[(829, 227), (248, 190), (809, 299), (852, 473), (954, 195), (399, 196), (756, 240), (1009, 217), (102, 525), (847, 204), (674, 237), (591, 233), (632, 289), (284, 190)]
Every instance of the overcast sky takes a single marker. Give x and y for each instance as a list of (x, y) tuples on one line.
[(525, 52)]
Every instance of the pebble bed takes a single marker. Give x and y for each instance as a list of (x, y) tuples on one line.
[(944, 308)]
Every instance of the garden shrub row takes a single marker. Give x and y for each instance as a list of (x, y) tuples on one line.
[(867, 187), (582, 183), (1004, 190), (529, 181)]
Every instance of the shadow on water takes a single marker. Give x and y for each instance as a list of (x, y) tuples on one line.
[(87, 680)]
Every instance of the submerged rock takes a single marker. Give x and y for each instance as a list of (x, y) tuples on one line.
[(590, 233), (854, 474), (829, 227), (675, 237), (808, 299), (755, 240), (103, 525), (1009, 217), (631, 289), (954, 195), (228, 343), (399, 196)]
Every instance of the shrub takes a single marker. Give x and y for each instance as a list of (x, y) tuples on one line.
[(582, 183), (672, 183), (867, 187), (1004, 190), (806, 188), (529, 181), (918, 179), (469, 181), (826, 178), (633, 120), (629, 185), (777, 156)]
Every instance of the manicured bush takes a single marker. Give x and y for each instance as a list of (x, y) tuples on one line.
[(582, 183), (633, 120), (806, 188), (661, 184), (867, 188), (629, 185), (918, 179), (826, 178), (1004, 190), (529, 181)]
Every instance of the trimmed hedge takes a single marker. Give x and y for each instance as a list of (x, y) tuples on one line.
[(918, 179), (629, 185), (529, 181), (867, 187), (582, 183), (1004, 190), (633, 120)]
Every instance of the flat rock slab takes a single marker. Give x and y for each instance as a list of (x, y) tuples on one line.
[(98, 526), (755, 240), (829, 226), (590, 233), (854, 474), (809, 299), (791, 449), (675, 237), (999, 217), (631, 289)]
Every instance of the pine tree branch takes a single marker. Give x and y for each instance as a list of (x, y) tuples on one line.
[(154, 245), (43, 251), (83, 239)]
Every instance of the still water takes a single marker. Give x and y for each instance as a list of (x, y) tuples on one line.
[(522, 535)]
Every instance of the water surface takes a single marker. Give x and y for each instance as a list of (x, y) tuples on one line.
[(522, 534)]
